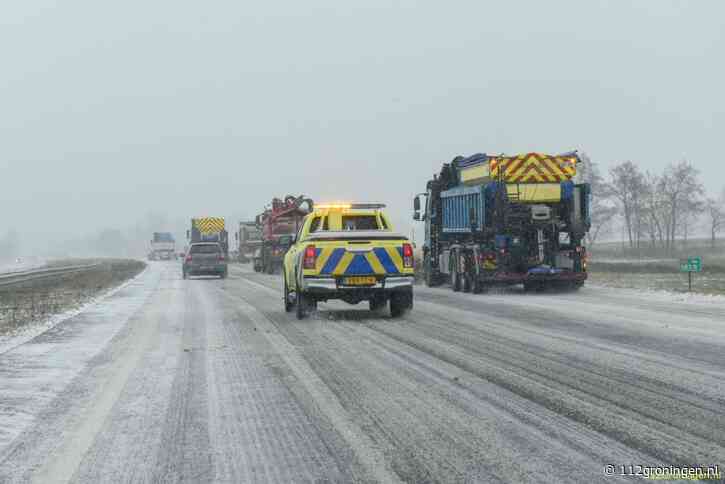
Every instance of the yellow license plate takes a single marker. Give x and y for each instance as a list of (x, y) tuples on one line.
[(359, 281)]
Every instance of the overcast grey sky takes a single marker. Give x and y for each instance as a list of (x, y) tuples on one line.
[(111, 109)]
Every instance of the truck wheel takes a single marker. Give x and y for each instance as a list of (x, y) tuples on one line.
[(428, 271), (467, 284), (533, 286), (401, 302), (287, 303), (455, 280)]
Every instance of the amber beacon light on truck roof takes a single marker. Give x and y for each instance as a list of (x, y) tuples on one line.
[(349, 206)]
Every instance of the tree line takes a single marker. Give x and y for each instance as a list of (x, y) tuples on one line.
[(655, 210)]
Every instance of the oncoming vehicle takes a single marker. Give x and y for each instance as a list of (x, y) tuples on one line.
[(205, 259), (348, 252)]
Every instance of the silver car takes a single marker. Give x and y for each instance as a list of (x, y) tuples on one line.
[(205, 259)]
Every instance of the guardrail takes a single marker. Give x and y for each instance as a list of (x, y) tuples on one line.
[(15, 278)]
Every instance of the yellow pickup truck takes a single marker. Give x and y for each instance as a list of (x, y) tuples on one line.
[(348, 252)]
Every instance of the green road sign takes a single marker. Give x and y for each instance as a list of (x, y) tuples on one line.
[(692, 264)]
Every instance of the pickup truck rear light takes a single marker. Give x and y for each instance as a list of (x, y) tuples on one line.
[(407, 255), (310, 259), (221, 257)]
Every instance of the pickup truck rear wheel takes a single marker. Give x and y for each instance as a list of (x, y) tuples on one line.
[(303, 305), (401, 302), (288, 305), (377, 303)]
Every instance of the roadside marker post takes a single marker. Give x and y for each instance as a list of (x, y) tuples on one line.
[(690, 265)]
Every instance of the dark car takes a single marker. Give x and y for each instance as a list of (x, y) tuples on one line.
[(205, 259)]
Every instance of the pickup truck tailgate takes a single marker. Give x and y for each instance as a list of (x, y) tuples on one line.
[(359, 257)]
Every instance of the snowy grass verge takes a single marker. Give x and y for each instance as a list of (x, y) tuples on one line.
[(13, 336)]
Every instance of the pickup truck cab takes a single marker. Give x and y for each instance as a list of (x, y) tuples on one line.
[(348, 252)]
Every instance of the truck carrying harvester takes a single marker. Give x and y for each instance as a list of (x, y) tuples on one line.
[(209, 229), (278, 224), (505, 220)]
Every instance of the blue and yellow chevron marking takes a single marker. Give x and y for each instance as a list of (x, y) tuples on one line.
[(379, 261)]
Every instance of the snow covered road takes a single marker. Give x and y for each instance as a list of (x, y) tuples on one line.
[(209, 380)]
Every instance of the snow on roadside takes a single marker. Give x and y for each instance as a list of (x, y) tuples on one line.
[(614, 260), (22, 264), (38, 363), (664, 295), (28, 331)]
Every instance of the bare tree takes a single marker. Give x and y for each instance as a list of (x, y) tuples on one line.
[(626, 186), (681, 188), (655, 209), (716, 212), (692, 210)]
